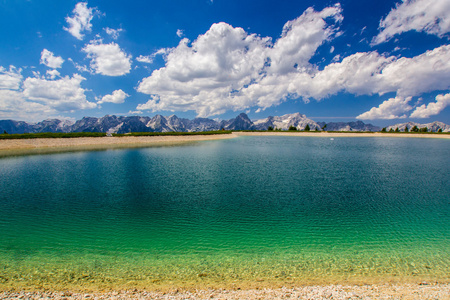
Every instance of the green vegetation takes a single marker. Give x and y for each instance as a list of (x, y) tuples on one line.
[(333, 131), (270, 128), (406, 129), (52, 135), (307, 128), (102, 134)]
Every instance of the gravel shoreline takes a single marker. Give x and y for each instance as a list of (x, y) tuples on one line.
[(14, 147), (125, 141), (387, 291)]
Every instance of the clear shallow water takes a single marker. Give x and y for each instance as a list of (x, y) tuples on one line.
[(252, 209)]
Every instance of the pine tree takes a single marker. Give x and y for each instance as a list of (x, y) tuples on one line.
[(307, 127)]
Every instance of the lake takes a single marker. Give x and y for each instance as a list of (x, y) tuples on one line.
[(244, 212)]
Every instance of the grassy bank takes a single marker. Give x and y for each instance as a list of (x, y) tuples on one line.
[(46, 135), (51, 135), (172, 133)]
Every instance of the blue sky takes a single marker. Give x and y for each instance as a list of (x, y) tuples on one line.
[(382, 62)]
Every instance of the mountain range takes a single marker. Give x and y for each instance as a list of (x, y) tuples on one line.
[(159, 123), (432, 127)]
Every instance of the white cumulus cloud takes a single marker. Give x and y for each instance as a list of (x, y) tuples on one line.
[(136, 112), (13, 105), (180, 32), (148, 59), (52, 74), (301, 38), (430, 16), (114, 33), (65, 94), (229, 69), (394, 108), (108, 59), (10, 79), (80, 21), (369, 73), (39, 97), (118, 96), (433, 108), (50, 60), (214, 73)]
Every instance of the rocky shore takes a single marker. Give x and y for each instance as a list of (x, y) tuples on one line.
[(404, 291)]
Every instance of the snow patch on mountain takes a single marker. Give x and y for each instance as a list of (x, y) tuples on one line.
[(432, 127), (159, 123)]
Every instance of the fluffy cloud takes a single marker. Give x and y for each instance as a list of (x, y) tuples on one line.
[(430, 16), (114, 33), (13, 105), (65, 94), (180, 32), (148, 59), (145, 59), (52, 74), (371, 73), (228, 69), (394, 108), (50, 60), (301, 38), (118, 96), (413, 76), (108, 59), (215, 72), (10, 79), (81, 20), (40, 97), (433, 108)]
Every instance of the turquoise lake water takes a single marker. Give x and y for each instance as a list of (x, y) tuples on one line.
[(270, 210)]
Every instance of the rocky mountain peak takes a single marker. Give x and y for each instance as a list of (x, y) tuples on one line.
[(159, 123)]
